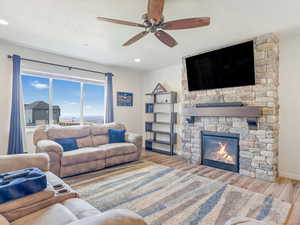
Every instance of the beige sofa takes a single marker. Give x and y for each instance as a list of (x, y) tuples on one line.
[(94, 152), (51, 208)]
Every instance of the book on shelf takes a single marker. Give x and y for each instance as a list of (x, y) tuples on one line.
[(149, 107)]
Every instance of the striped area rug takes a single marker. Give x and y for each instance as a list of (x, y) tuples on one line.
[(168, 196)]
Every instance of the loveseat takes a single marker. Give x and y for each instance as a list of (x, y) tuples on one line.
[(94, 151), (52, 208)]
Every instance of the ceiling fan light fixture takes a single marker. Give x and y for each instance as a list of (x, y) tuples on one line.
[(153, 22)]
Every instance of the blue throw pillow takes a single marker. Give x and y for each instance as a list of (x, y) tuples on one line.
[(116, 136), (68, 144)]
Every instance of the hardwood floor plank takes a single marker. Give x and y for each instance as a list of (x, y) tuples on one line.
[(294, 218), (275, 190), (259, 186), (288, 193)]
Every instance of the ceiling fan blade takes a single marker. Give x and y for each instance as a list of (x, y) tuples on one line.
[(122, 22), (136, 38), (166, 38), (186, 23), (155, 10)]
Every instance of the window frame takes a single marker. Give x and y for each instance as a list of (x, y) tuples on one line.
[(52, 77)]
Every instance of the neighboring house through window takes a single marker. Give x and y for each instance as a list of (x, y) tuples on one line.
[(37, 113)]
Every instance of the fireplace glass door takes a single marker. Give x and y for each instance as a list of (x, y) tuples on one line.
[(220, 150)]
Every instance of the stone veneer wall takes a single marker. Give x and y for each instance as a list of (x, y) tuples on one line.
[(258, 148)]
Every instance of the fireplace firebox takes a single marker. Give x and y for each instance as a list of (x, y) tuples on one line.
[(220, 150)]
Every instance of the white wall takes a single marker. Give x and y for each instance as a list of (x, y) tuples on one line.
[(124, 80), (289, 100), (170, 78)]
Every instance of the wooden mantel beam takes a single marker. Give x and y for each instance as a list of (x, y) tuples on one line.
[(243, 111)]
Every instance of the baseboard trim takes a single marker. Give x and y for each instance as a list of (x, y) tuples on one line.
[(293, 176)]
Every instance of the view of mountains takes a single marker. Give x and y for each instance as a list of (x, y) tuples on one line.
[(93, 119)]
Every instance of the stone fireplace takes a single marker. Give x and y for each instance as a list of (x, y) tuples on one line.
[(220, 150), (258, 144)]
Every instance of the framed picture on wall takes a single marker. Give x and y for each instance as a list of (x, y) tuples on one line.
[(124, 99)]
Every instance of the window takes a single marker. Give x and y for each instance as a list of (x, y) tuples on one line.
[(93, 103), (66, 100), (63, 102), (36, 100)]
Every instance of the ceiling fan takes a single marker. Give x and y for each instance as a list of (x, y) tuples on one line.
[(154, 23)]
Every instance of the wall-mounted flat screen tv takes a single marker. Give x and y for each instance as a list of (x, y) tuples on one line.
[(227, 67)]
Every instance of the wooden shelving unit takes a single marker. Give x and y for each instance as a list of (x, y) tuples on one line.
[(154, 134)]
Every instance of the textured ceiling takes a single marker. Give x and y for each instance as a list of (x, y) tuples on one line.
[(69, 27)]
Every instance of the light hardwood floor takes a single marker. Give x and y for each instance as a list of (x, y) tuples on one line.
[(284, 189)]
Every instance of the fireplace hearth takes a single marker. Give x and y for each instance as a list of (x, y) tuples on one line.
[(220, 150)]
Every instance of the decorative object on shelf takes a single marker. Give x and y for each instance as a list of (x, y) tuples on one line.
[(124, 99), (190, 119), (159, 88), (148, 127), (160, 130), (149, 108)]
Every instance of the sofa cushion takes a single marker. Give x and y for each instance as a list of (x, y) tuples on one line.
[(84, 142), (82, 168), (80, 208), (100, 140), (117, 149), (116, 136), (116, 160), (113, 217), (82, 155), (68, 132), (55, 215), (103, 128), (68, 144)]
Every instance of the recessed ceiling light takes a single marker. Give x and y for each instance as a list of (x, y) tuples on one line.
[(137, 60), (3, 22)]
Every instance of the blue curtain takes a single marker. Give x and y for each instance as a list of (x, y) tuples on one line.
[(109, 107), (15, 144)]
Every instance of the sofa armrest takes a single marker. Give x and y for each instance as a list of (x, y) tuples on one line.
[(22, 161), (55, 152), (112, 217), (49, 146), (136, 139)]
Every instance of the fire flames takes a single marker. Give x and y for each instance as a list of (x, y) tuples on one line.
[(222, 154)]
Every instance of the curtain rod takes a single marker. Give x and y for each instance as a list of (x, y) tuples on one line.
[(59, 65)]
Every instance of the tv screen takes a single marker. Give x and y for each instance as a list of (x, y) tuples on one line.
[(228, 67)]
